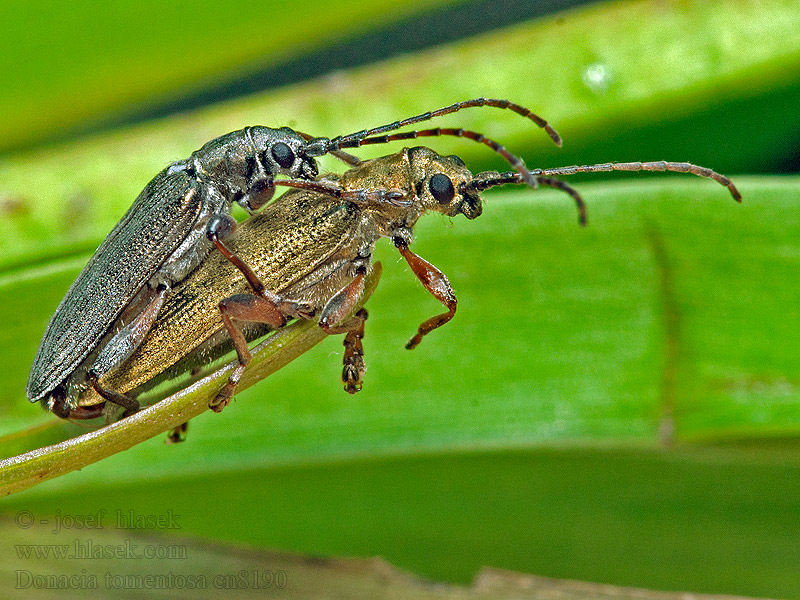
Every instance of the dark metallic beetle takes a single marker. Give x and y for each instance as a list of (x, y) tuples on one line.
[(108, 310), (306, 256)]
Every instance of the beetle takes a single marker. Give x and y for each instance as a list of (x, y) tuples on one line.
[(306, 256), (165, 235)]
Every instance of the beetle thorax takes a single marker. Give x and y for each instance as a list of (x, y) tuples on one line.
[(243, 161)]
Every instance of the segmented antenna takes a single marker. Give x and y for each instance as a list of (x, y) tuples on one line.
[(346, 141), (484, 181), (345, 157), (560, 185), (661, 166), (376, 135), (512, 159)]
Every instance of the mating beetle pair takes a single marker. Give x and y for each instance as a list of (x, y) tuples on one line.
[(305, 255)]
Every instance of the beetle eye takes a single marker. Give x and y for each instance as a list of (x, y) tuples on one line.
[(441, 188), (457, 159), (283, 155)]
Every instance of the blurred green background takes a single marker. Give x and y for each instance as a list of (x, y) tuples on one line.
[(616, 404)]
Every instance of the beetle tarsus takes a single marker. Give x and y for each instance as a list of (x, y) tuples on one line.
[(223, 398), (220, 401), (353, 360), (334, 321)]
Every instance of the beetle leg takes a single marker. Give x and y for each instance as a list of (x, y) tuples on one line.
[(266, 308), (290, 308), (121, 346), (359, 196), (216, 232), (248, 273), (353, 367), (337, 309), (220, 227), (432, 280), (261, 191), (129, 404), (81, 413)]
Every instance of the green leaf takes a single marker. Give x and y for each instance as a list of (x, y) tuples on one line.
[(706, 519), (67, 64)]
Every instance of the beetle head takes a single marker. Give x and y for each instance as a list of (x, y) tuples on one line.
[(282, 152), (268, 155), (428, 180), (440, 183), (244, 163)]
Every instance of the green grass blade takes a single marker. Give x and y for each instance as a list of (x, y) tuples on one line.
[(715, 520), (65, 64)]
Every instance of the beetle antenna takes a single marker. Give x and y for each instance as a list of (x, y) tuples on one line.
[(564, 187), (512, 159), (347, 141), (484, 181), (661, 166), (343, 156), (490, 179)]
